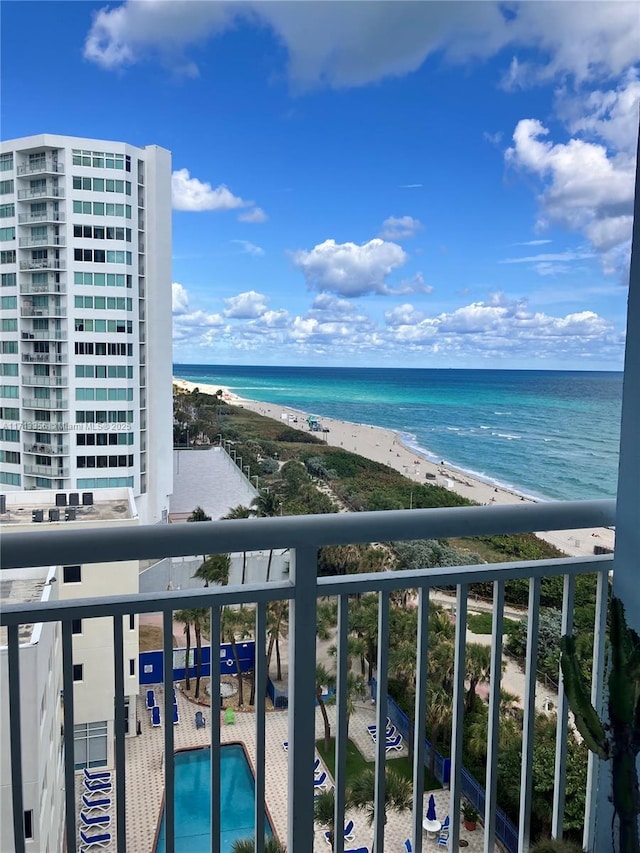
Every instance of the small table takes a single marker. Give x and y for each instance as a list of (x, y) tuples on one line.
[(431, 827)]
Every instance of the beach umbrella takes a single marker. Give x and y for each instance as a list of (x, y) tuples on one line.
[(431, 810)]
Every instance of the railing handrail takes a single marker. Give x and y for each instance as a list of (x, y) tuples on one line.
[(309, 531)]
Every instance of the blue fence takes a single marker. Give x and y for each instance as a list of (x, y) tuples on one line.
[(151, 663), (279, 697), (506, 832)]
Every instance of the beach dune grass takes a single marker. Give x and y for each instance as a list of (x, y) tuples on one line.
[(356, 764)]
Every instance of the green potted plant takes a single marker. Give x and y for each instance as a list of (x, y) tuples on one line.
[(470, 815)]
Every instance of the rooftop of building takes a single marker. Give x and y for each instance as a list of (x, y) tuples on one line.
[(47, 506), (208, 478), (23, 586)]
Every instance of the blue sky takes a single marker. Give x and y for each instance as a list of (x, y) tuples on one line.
[(365, 183)]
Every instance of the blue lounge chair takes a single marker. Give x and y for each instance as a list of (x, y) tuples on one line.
[(316, 764), (394, 743), (320, 782), (151, 699), (176, 716), (97, 785), (408, 846), (443, 839), (200, 720), (348, 831), (285, 745), (96, 803), (102, 775), (445, 826), (94, 820), (103, 839), (155, 716)]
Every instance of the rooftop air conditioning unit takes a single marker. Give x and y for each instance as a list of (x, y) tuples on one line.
[(70, 513), (74, 499), (37, 515), (54, 515)]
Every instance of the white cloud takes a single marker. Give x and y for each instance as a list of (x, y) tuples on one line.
[(561, 257), (349, 44), (399, 227), (255, 215), (179, 299), (246, 306), (249, 248), (191, 194), (403, 315), (348, 269), (410, 186), (533, 243), (583, 188)]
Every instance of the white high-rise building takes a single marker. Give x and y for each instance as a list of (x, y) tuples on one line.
[(85, 318)]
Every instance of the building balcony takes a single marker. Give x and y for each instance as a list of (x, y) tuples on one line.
[(34, 242), (44, 335), (46, 216), (46, 471), (46, 449), (43, 358), (303, 537), (49, 287), (42, 264), (41, 192), (44, 403), (44, 381), (27, 311), (43, 167)]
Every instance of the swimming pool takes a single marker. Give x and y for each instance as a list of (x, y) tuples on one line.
[(193, 800)]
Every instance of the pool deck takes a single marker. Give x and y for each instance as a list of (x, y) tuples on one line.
[(145, 776)]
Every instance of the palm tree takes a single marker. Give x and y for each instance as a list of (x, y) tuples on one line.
[(185, 616), (200, 621), (199, 514), (324, 804), (438, 719), (240, 511), (233, 622), (215, 569), (478, 669), (276, 626), (267, 505), (324, 678), (248, 845), (398, 793)]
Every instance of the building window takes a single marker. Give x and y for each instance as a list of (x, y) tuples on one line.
[(6, 162), (7, 210), (8, 256), (7, 234), (90, 745), (132, 622), (28, 824), (71, 574), (6, 187), (78, 671), (8, 279), (132, 666), (76, 626)]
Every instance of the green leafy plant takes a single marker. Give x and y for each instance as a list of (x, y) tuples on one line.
[(617, 740), (469, 812)]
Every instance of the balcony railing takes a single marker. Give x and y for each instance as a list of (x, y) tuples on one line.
[(46, 449), (49, 287), (45, 216), (41, 192), (28, 311), (44, 335), (303, 536), (49, 240), (43, 358), (46, 471), (40, 403), (41, 167), (42, 264), (45, 380)]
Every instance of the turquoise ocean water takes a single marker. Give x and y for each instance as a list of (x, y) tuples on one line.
[(550, 434)]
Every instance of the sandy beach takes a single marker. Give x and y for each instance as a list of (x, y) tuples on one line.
[(385, 446)]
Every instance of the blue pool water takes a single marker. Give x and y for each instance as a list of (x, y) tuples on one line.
[(193, 799)]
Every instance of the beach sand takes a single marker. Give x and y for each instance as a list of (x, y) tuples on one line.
[(385, 446)]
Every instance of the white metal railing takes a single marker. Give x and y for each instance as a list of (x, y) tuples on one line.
[(43, 358), (45, 380), (46, 471), (46, 449), (44, 335), (51, 311), (42, 264), (49, 287), (304, 536), (49, 240), (41, 192), (45, 216), (41, 166), (58, 404)]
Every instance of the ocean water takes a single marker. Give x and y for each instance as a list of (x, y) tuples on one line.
[(549, 434)]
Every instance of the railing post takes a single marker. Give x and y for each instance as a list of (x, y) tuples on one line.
[(302, 697), (458, 713)]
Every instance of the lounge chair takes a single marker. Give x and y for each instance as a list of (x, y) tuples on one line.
[(316, 764), (94, 820), (348, 831), (151, 699), (155, 716), (97, 785), (445, 826), (176, 715), (96, 803), (320, 782), (285, 745), (394, 743), (443, 839), (390, 733), (200, 720), (408, 846), (102, 775), (103, 839)]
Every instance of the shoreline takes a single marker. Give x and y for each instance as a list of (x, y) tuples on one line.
[(391, 448)]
